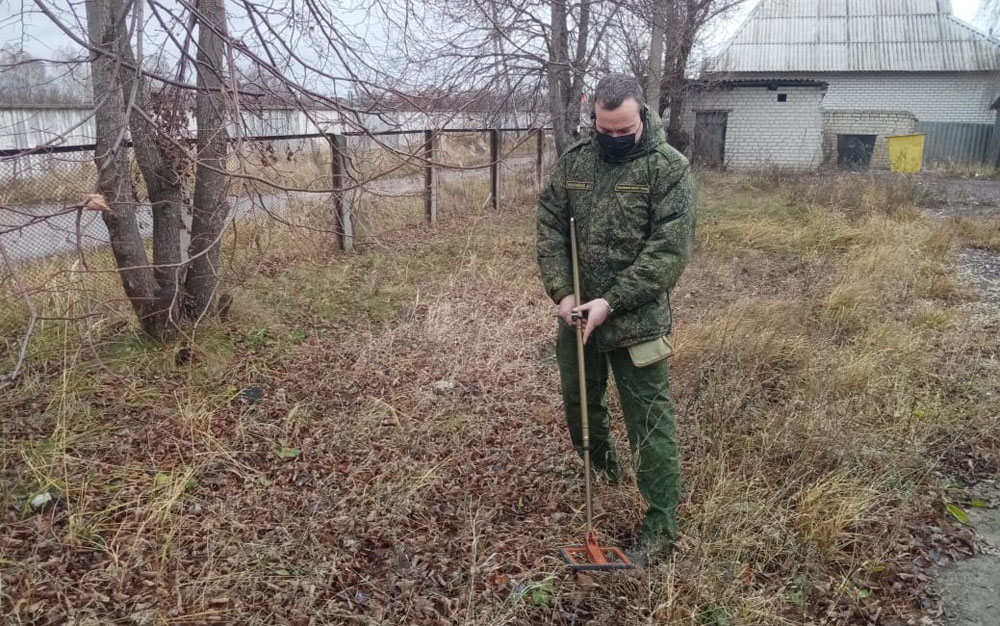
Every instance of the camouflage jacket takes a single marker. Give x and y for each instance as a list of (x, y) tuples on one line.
[(635, 222)]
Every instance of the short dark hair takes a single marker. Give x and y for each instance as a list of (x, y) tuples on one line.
[(614, 89)]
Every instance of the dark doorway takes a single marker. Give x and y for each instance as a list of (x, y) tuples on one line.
[(710, 138), (854, 152)]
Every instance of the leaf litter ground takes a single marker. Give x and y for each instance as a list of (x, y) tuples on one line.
[(379, 440)]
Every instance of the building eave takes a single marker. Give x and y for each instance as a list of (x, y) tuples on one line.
[(770, 83)]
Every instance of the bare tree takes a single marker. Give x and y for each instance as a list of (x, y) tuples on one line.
[(675, 27), (123, 102), (566, 70), (141, 101), (511, 47), (111, 156), (27, 81)]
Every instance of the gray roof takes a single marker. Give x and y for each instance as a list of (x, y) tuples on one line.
[(856, 36)]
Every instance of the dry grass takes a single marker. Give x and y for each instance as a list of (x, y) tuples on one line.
[(282, 164), (406, 461), (981, 234), (56, 181)]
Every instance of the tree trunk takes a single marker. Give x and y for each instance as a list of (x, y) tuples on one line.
[(558, 67), (565, 75), (654, 74), (164, 185), (113, 181), (676, 82), (210, 205)]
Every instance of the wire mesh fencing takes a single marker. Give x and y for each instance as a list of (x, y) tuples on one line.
[(289, 198)]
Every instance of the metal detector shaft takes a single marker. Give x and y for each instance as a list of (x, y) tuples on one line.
[(582, 372), (591, 555)]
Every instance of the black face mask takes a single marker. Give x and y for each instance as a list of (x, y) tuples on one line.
[(615, 147)]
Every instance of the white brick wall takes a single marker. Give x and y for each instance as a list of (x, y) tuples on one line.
[(859, 122), (762, 132), (930, 96)]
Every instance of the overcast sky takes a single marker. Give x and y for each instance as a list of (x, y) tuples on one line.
[(21, 23), (965, 9)]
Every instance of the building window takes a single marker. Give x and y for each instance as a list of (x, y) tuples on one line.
[(782, 97)]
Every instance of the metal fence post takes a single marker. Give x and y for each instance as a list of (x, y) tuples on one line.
[(539, 159), (430, 177), (495, 168), (341, 198)]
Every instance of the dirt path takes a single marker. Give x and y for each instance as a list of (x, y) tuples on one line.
[(970, 589), (971, 197)]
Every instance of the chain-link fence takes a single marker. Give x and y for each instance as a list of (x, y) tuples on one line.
[(289, 197)]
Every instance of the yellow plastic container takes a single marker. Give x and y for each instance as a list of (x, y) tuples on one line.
[(906, 153)]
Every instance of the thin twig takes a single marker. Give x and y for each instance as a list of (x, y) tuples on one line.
[(8, 380)]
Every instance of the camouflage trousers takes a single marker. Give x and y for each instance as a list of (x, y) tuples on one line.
[(649, 419)]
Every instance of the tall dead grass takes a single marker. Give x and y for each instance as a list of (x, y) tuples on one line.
[(825, 391)]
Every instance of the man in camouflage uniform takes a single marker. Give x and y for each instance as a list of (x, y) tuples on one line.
[(633, 198)]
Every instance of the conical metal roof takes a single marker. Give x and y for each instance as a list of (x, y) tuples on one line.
[(856, 36)]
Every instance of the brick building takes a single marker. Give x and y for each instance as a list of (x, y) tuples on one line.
[(808, 82)]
